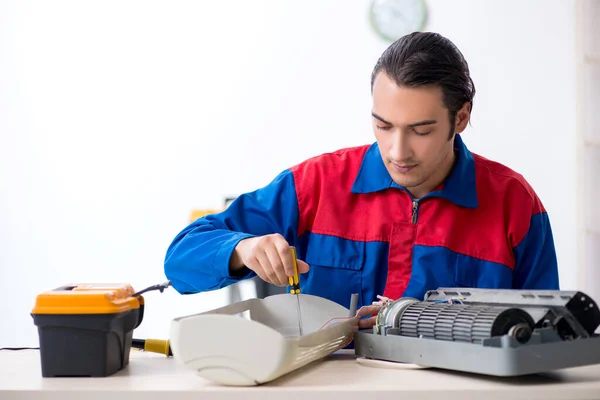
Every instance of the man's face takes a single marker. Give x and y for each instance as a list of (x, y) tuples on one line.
[(412, 129)]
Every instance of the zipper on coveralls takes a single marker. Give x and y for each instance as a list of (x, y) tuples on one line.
[(415, 211)]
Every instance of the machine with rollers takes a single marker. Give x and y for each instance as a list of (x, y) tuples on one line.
[(486, 331)]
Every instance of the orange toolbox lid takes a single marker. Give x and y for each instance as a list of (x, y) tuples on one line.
[(88, 298)]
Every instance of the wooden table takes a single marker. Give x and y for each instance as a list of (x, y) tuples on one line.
[(155, 377)]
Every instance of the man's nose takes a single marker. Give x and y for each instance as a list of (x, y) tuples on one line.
[(400, 148)]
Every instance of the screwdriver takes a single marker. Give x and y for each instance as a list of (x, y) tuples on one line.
[(153, 346), (294, 282)]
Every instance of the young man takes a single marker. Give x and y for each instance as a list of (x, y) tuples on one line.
[(412, 212)]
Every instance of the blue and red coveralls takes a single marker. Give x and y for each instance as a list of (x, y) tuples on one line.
[(361, 233)]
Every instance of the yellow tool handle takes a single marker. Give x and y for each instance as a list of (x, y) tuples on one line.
[(153, 345), (158, 346), (295, 279)]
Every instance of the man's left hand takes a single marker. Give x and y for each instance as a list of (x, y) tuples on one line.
[(367, 311)]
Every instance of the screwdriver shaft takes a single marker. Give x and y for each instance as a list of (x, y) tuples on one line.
[(299, 315)]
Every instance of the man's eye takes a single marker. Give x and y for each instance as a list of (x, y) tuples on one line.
[(383, 128), (422, 133)]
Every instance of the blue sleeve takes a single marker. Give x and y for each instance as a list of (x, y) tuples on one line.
[(536, 265), (198, 258)]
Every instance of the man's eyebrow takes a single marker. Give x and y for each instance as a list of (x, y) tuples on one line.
[(381, 119), (413, 125), (421, 123)]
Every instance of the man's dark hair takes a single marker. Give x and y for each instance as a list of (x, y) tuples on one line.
[(425, 58)]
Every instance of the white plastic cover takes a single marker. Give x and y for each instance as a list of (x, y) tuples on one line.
[(257, 340)]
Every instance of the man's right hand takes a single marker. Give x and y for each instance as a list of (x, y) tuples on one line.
[(268, 256)]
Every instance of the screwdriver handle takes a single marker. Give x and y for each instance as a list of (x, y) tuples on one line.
[(294, 280)]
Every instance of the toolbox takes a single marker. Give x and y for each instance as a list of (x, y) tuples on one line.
[(85, 330)]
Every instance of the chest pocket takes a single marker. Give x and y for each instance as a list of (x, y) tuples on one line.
[(477, 273), (437, 266), (335, 270)]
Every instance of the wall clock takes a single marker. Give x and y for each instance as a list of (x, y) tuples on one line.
[(392, 19)]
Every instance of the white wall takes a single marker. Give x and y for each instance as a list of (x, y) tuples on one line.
[(588, 68), (119, 117)]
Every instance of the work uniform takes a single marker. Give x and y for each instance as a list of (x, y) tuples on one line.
[(362, 233)]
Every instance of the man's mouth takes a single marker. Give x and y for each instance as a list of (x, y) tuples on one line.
[(404, 168)]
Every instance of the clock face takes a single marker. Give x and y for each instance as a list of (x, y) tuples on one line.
[(393, 19)]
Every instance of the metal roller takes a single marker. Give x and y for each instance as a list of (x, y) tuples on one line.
[(455, 322)]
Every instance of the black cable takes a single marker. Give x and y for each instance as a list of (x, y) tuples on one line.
[(160, 287), (19, 348)]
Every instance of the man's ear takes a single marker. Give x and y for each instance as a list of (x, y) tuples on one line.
[(462, 118)]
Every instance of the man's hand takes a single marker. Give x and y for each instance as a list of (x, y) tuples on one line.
[(365, 311), (269, 256)]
